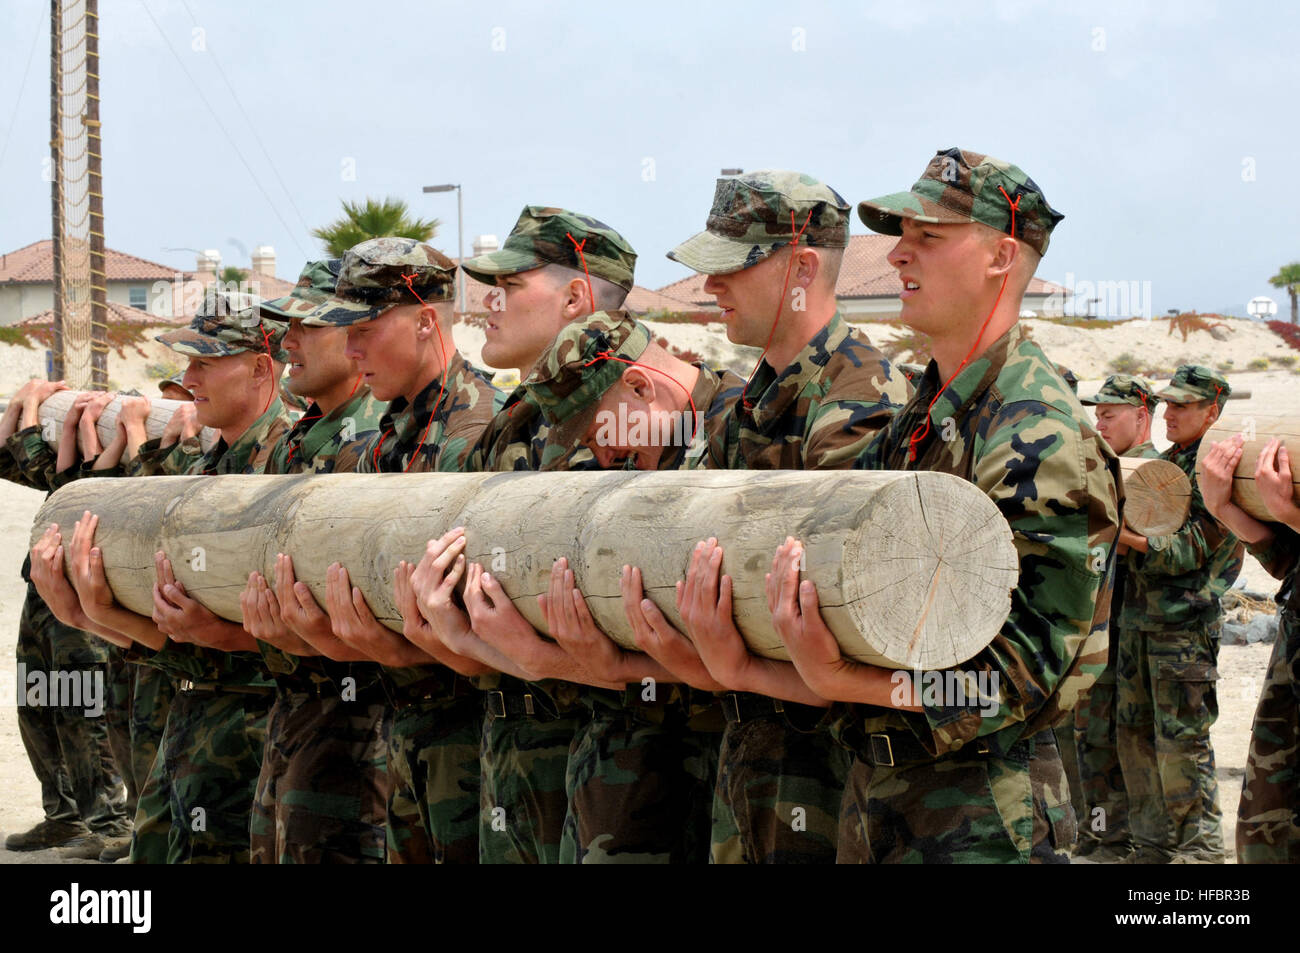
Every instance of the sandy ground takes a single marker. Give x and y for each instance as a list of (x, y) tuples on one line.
[(1088, 352)]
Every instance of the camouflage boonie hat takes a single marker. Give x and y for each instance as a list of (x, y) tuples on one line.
[(315, 285), (581, 364), (959, 187), (372, 279), (541, 237), (751, 219), (228, 322), (1195, 382), (1124, 389)]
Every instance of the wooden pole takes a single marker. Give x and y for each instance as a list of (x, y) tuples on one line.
[(1258, 429), (56, 407), (1157, 495), (913, 570)]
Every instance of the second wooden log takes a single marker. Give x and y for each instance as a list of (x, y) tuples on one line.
[(1157, 495), (913, 570), (56, 407), (1258, 430)]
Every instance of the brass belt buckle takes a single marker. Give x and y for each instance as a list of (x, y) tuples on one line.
[(186, 685), (528, 703), (497, 703)]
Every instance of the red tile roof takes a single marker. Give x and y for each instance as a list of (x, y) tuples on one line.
[(117, 313), (864, 273), (34, 264)]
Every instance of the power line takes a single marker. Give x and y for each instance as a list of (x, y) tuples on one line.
[(233, 142), (251, 128)]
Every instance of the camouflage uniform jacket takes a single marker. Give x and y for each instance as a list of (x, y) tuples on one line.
[(248, 454), (432, 434), (516, 439), (817, 414), (1018, 433), (1177, 583), (316, 442), (319, 444)]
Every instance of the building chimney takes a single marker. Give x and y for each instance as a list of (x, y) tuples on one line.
[(264, 261), (484, 244), (207, 265)]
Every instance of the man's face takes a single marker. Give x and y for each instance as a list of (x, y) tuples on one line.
[(317, 361), (1187, 423), (221, 387), (944, 273), (621, 429), (1120, 425), (750, 298), (525, 313), (386, 351)]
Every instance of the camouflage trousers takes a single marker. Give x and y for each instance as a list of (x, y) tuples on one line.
[(205, 775), (524, 758), (1268, 815), (639, 783), (1009, 807), (1165, 704), (151, 701), (1070, 754), (780, 782), (322, 793), (71, 752), (433, 763), (1104, 814)]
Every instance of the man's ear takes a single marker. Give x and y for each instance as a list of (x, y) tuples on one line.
[(263, 369), (807, 265), (1005, 253), (425, 319), (577, 299), (641, 383), (1215, 410)]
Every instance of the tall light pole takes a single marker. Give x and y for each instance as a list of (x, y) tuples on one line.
[(460, 240)]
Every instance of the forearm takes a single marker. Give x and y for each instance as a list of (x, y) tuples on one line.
[(1244, 526), (775, 679), (136, 627)]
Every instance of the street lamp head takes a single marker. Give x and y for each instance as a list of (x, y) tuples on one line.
[(440, 188)]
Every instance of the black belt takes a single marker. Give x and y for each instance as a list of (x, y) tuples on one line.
[(740, 707), (217, 688), (501, 704), (890, 749)]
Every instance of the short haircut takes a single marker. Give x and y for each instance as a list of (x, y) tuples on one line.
[(607, 296)]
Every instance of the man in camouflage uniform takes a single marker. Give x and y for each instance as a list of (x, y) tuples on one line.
[(1268, 814), (393, 298), (556, 269), (201, 788), (945, 780), (69, 750), (772, 248), (323, 789), (621, 775), (1125, 406), (1169, 650)]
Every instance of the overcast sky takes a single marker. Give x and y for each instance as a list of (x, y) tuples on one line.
[(1165, 133)]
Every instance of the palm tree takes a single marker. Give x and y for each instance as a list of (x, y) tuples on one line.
[(230, 275), (373, 219), (1288, 277)]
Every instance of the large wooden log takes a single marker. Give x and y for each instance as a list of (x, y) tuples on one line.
[(56, 407), (914, 570), (1157, 495), (1258, 429)]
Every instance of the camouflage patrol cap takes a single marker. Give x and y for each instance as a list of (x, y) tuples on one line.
[(1194, 382), (1124, 389), (959, 187), (177, 381), (312, 292), (372, 280), (541, 237), (582, 363), (756, 214), (228, 322)]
